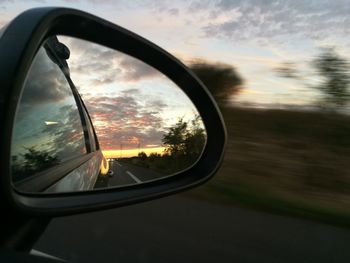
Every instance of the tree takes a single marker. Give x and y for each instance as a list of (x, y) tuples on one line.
[(174, 139), (185, 139), (38, 160), (334, 71), (154, 156), (195, 138), (142, 155), (222, 80), (288, 70), (34, 161)]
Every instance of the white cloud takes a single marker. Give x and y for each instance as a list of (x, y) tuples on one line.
[(254, 19)]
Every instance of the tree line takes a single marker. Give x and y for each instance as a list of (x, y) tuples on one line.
[(184, 142)]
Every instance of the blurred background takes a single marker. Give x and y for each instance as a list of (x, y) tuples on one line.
[(290, 156), (280, 73)]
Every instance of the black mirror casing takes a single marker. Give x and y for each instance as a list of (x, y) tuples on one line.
[(18, 46)]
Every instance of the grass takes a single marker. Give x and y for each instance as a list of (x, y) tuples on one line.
[(287, 162)]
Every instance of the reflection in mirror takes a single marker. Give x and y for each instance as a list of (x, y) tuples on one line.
[(47, 130), (146, 127)]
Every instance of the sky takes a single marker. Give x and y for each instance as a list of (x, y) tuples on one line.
[(132, 105), (254, 36)]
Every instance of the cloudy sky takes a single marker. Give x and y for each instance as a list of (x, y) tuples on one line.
[(254, 36), (131, 104)]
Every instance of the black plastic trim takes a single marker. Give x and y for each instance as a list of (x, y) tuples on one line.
[(18, 46)]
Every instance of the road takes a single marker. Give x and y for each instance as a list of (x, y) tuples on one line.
[(181, 229), (126, 173)]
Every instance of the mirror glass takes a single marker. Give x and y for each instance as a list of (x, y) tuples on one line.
[(144, 127)]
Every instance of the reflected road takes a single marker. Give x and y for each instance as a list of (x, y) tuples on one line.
[(126, 173)]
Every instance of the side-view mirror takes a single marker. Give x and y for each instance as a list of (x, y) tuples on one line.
[(94, 116)]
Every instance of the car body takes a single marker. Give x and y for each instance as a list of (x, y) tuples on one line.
[(94, 168)]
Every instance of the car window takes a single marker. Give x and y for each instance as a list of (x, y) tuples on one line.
[(47, 129)]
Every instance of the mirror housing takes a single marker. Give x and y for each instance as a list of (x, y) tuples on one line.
[(18, 46)]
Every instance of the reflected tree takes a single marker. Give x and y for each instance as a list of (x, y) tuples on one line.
[(175, 138), (184, 142), (31, 162), (195, 138), (142, 156)]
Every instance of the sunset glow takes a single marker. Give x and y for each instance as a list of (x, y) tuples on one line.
[(132, 152)]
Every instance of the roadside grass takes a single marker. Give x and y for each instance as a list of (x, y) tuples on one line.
[(287, 162)]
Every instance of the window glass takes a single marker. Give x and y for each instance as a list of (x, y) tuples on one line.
[(47, 129)]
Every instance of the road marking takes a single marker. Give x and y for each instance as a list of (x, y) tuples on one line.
[(137, 180), (119, 164)]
